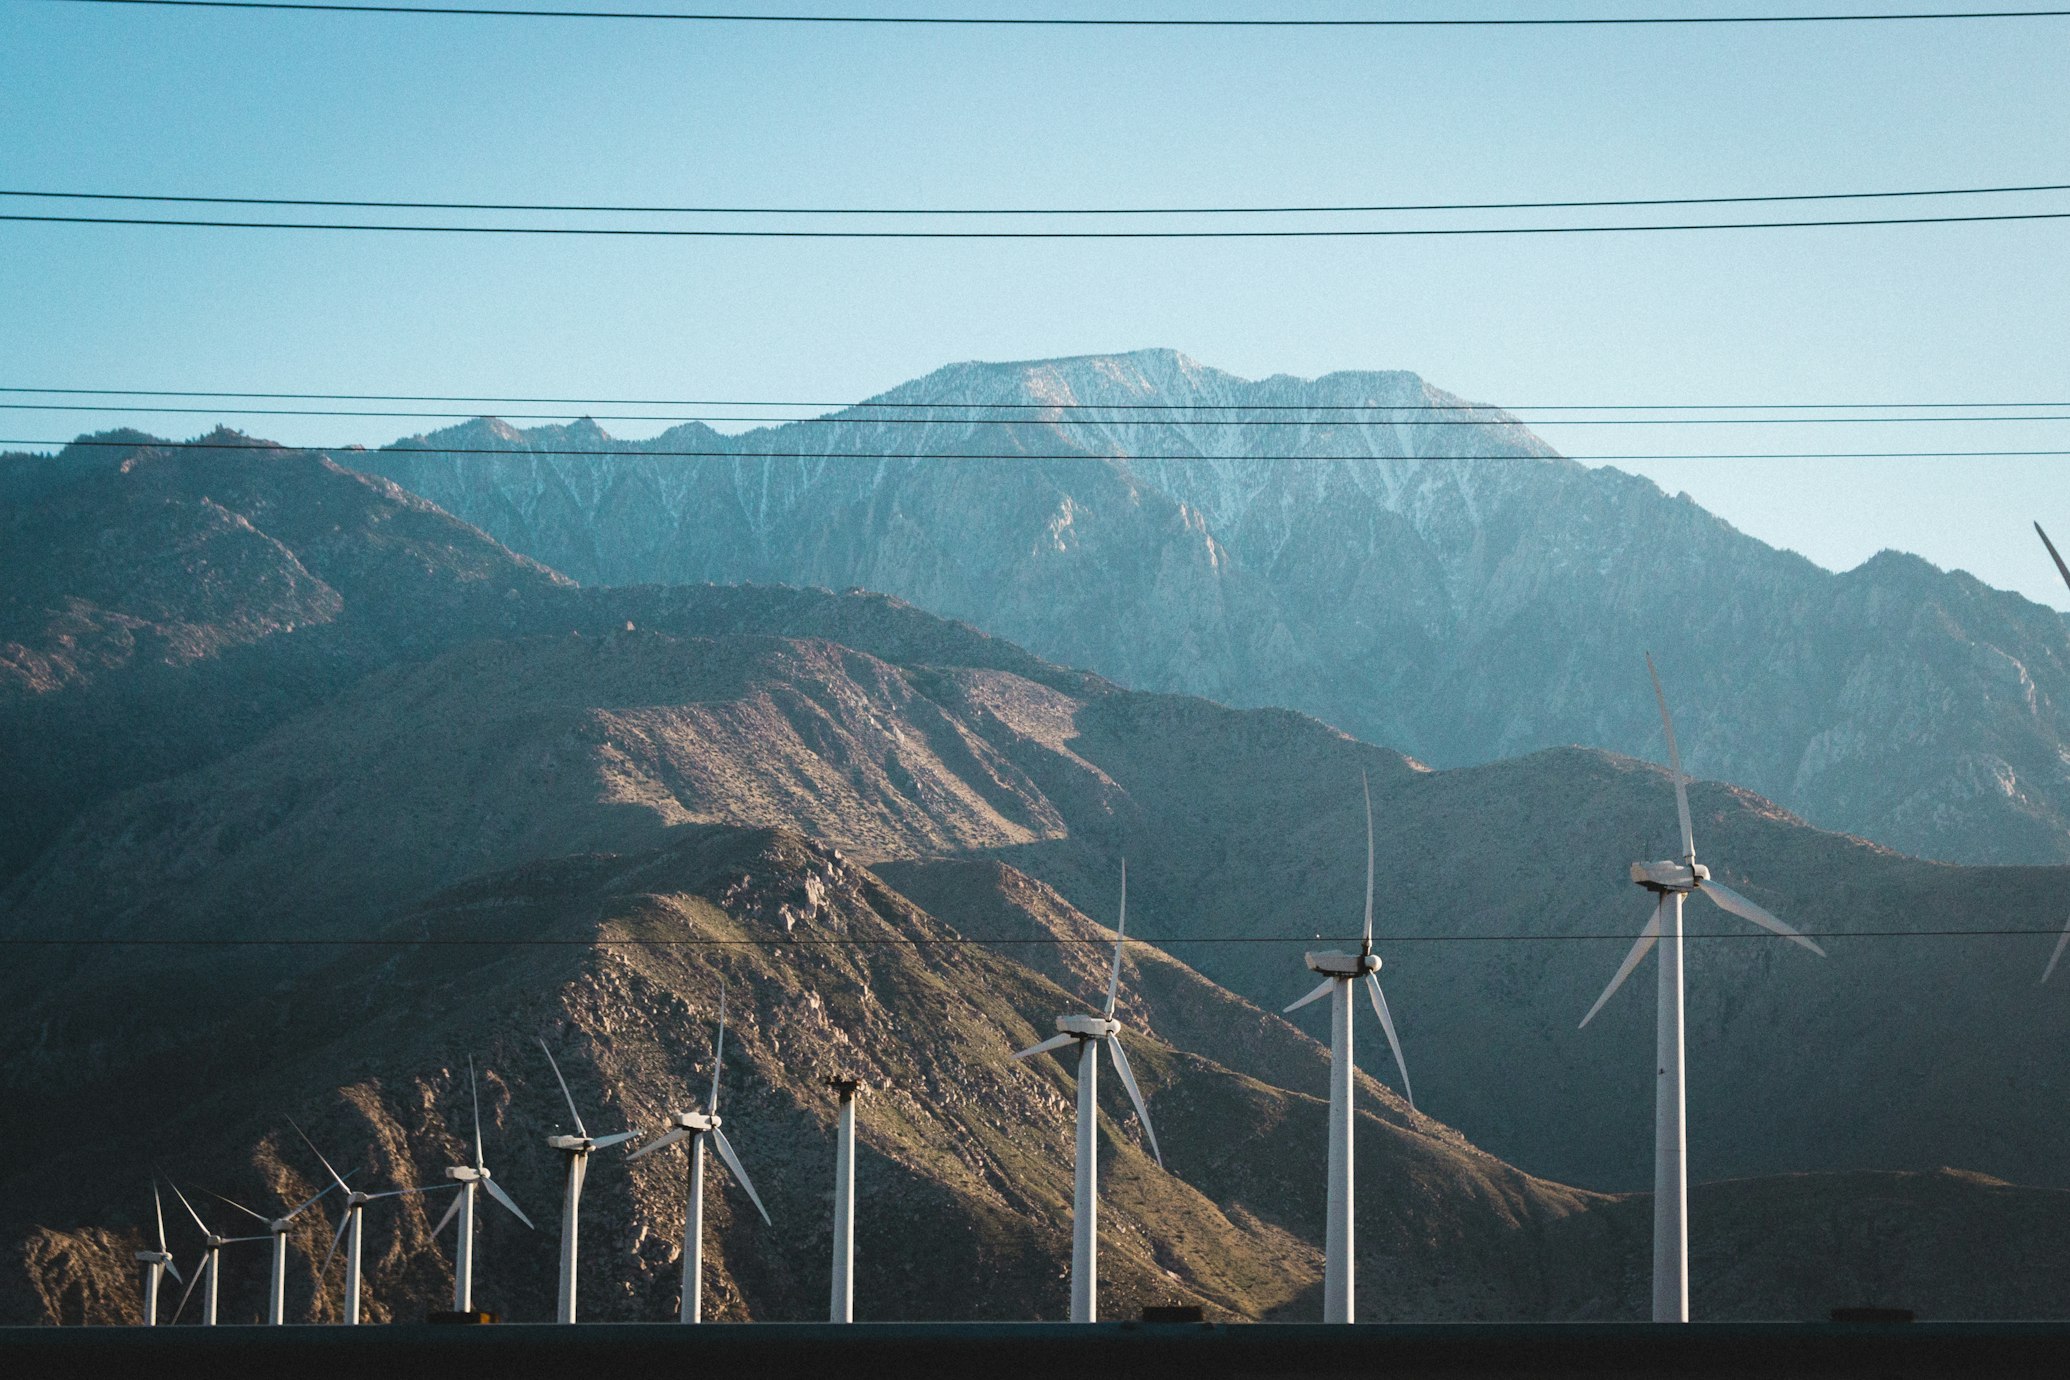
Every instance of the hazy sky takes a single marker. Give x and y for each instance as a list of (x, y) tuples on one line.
[(197, 101)]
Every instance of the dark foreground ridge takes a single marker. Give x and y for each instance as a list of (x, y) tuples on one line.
[(1006, 1351)]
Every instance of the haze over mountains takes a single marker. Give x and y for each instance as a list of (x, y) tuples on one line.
[(1433, 577)]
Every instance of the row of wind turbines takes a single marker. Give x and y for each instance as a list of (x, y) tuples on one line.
[(1668, 883)]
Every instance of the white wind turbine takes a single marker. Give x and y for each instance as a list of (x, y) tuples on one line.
[(1670, 882), (157, 1264), (471, 1177), (578, 1149), (1342, 972), (842, 1307), (694, 1126), (2064, 571), (1089, 1033), (278, 1228), (352, 1229), (211, 1254)]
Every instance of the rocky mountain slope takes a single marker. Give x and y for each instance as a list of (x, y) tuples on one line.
[(1424, 575)]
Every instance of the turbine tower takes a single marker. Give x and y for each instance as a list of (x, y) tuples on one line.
[(842, 1307), (278, 1228), (2064, 571), (694, 1126), (157, 1264), (1670, 882), (578, 1149), (352, 1229), (1089, 1033), (470, 1178), (211, 1252), (1342, 972)]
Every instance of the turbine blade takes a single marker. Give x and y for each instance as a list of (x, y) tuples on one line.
[(1053, 1042), (474, 1093), (1135, 1094), (451, 1212), (1746, 910), (1393, 1041), (2053, 960), (659, 1143), (1321, 990), (190, 1208), (1367, 933), (1674, 764), (239, 1206), (418, 1188), (711, 1102), (344, 1221), (725, 1148), (310, 1202), (496, 1192), (158, 1203), (604, 1142), (580, 1129), (336, 1177), (1120, 929), (1648, 937), (2061, 569), (174, 1271), (188, 1292)]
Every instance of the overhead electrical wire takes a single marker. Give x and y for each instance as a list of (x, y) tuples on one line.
[(183, 410), (1016, 941), (1025, 405), (625, 454), (1100, 22), (728, 233), (1376, 208)]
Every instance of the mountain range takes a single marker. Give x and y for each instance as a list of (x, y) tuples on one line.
[(371, 792), (1363, 547)]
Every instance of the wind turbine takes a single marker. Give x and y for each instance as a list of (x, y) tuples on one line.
[(278, 1228), (211, 1251), (577, 1148), (1342, 973), (2064, 571), (156, 1263), (352, 1229), (471, 1177), (694, 1126), (1089, 1033), (1670, 882), (842, 1307)]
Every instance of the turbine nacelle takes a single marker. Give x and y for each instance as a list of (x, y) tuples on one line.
[(574, 1145), (695, 1121), (467, 1173), (1088, 1027), (1670, 876), (1332, 963), (154, 1257)]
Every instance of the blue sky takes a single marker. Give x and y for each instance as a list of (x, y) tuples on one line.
[(95, 98)]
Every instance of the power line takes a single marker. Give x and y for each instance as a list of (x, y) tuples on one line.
[(686, 232), (603, 208), (348, 452), (1015, 941), (1024, 405), (1030, 21), (1026, 421)]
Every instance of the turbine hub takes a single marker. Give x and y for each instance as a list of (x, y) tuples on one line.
[(1088, 1027), (1669, 876), (1342, 965)]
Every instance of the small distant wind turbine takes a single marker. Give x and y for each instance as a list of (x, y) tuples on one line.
[(352, 1229), (2064, 571), (577, 1148), (278, 1228), (842, 1307), (1089, 1033), (1670, 882), (694, 1126), (471, 1177), (1341, 973), (211, 1252), (157, 1264)]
